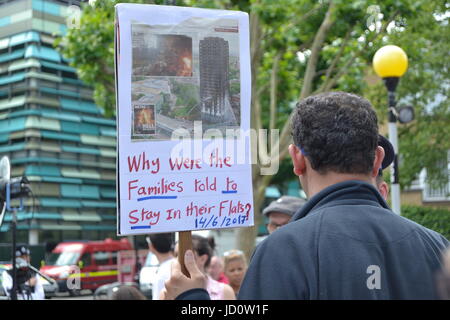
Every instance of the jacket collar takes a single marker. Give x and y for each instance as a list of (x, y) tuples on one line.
[(344, 192)]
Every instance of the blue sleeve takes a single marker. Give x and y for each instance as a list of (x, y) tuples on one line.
[(194, 294)]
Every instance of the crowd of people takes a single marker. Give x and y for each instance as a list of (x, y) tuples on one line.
[(224, 274), (327, 247)]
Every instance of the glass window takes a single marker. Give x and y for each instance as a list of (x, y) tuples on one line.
[(63, 258), (89, 234), (22, 154), (66, 87), (66, 74), (108, 160), (114, 257), (86, 259), (47, 154), (86, 92), (68, 155), (101, 258), (87, 157), (71, 235), (48, 84)]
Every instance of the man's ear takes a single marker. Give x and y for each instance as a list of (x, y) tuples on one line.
[(383, 188), (298, 160), (379, 156)]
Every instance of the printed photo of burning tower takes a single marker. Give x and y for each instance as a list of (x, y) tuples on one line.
[(214, 54), (163, 55)]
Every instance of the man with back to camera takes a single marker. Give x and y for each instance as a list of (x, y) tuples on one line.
[(280, 211), (345, 242), (161, 245)]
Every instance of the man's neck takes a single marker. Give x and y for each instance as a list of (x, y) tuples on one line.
[(317, 182), (163, 257)]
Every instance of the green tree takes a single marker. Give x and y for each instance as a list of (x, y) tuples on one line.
[(90, 47), (335, 42), (437, 219), (302, 47)]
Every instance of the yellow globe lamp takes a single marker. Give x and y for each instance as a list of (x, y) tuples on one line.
[(390, 62)]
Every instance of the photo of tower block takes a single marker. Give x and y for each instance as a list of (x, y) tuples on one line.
[(214, 81)]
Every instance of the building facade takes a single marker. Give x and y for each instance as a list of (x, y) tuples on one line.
[(52, 131), (214, 81), (422, 193)]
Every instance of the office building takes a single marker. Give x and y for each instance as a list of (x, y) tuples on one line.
[(52, 131)]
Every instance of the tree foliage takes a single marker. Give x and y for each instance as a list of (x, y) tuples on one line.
[(90, 46), (437, 219)]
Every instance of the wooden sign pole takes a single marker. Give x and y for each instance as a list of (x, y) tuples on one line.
[(184, 244)]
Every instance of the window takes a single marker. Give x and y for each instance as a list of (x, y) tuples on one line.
[(63, 259), (47, 154), (87, 157), (68, 155), (114, 257), (101, 258), (86, 259), (49, 70), (68, 88), (86, 92), (89, 234), (21, 154), (71, 75), (438, 192), (18, 46), (71, 234), (108, 160)]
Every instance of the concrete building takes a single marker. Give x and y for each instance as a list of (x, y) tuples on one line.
[(421, 193), (214, 82), (52, 131)]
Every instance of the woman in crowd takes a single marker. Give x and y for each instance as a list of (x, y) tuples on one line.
[(235, 268), (203, 253)]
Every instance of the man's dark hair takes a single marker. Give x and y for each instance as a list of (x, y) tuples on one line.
[(337, 131), (162, 242)]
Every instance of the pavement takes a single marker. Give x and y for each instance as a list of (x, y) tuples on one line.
[(85, 295)]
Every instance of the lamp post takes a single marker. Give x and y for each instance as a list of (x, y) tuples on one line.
[(390, 63)]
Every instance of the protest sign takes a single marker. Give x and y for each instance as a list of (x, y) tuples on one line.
[(183, 119)]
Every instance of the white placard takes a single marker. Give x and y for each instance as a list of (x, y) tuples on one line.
[(183, 119)]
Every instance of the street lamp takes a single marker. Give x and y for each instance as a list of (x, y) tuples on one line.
[(390, 63)]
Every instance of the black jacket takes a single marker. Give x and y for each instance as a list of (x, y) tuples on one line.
[(345, 243)]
